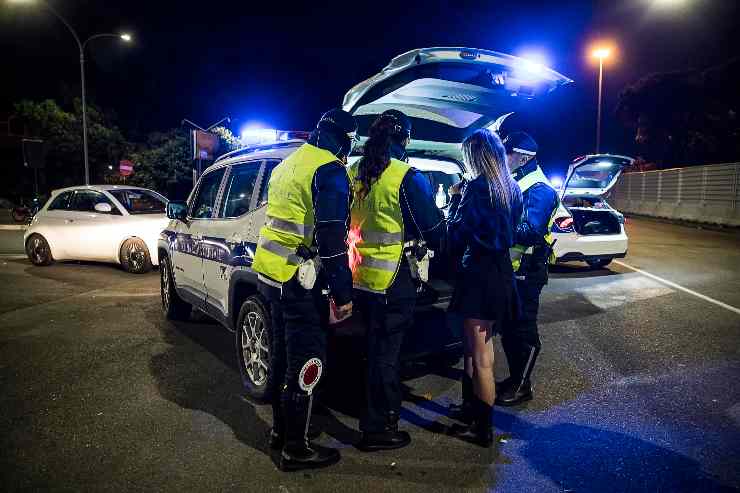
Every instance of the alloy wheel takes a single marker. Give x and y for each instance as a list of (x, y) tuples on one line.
[(165, 283), (254, 348)]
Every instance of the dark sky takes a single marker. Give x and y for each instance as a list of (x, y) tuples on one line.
[(283, 64)]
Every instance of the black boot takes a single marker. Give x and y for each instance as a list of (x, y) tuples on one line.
[(388, 439), (518, 389), (514, 395), (298, 453), (464, 411), (480, 430)]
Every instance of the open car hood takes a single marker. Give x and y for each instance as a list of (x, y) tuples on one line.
[(594, 174), (449, 93)]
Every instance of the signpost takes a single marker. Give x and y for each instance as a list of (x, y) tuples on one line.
[(34, 157)]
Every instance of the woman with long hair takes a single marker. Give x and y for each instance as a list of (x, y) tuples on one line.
[(484, 213), (392, 213)]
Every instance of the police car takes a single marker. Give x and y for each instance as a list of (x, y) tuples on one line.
[(206, 251), (586, 227)]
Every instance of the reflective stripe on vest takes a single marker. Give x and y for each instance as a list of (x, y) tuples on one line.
[(290, 214), (527, 181), (379, 222)]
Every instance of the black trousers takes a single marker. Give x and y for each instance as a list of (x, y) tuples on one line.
[(299, 332), (386, 317), (520, 338)]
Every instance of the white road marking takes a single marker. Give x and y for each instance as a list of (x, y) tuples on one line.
[(614, 291), (680, 288)]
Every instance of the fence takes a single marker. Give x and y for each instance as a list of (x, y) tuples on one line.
[(709, 194)]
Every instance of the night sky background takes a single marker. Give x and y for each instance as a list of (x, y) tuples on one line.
[(282, 64)]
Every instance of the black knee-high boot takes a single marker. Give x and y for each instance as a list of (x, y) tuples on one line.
[(480, 430), (464, 411)]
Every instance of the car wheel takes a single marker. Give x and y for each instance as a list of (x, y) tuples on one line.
[(174, 307), (599, 264), (253, 338), (38, 250), (135, 256)]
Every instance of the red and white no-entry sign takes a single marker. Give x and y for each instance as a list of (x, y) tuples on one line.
[(126, 167)]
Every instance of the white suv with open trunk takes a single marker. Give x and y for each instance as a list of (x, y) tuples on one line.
[(206, 251)]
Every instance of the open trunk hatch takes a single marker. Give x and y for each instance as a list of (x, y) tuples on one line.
[(594, 175), (449, 93)]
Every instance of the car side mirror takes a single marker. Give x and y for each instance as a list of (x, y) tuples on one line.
[(177, 209), (103, 207)]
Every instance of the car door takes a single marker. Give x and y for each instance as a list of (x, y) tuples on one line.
[(450, 92), (91, 234), (51, 222), (225, 233), (187, 255)]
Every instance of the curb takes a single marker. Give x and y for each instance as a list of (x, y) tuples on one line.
[(13, 227)]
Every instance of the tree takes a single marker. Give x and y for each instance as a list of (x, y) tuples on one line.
[(62, 131), (685, 117), (165, 163)]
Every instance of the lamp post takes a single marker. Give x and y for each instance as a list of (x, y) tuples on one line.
[(601, 54), (81, 45)]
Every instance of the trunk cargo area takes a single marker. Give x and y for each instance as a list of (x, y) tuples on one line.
[(594, 222)]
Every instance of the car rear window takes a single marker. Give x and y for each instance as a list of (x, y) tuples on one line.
[(140, 201), (60, 202)]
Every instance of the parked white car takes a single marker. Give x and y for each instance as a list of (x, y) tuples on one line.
[(586, 227), (106, 223)]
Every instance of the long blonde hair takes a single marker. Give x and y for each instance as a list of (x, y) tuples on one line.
[(484, 154)]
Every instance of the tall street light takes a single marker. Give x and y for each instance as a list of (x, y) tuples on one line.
[(81, 45), (601, 54)]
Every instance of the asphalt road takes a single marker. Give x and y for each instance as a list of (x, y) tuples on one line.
[(636, 390)]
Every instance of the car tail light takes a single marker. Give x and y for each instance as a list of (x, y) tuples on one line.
[(563, 225)]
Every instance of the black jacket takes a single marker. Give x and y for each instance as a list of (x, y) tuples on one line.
[(540, 201)]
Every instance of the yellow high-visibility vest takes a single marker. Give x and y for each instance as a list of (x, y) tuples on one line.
[(527, 181), (290, 214), (378, 220)]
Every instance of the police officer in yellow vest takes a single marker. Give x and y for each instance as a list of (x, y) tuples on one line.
[(530, 256), (393, 214), (306, 227)]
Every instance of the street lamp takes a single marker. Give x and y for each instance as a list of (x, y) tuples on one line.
[(601, 53), (81, 45)]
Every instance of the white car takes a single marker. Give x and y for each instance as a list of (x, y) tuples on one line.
[(586, 227), (106, 223)]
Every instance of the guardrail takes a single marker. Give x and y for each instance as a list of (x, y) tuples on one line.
[(709, 194)]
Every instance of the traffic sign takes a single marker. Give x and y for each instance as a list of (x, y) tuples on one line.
[(126, 167)]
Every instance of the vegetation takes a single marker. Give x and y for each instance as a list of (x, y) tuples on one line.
[(163, 163), (684, 118)]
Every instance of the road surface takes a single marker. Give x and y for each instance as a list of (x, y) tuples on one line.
[(636, 389)]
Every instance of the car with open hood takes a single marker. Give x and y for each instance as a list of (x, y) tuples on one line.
[(207, 249), (586, 227)]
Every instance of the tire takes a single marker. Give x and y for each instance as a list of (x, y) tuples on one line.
[(253, 338), (135, 256), (38, 250), (599, 264), (174, 307)]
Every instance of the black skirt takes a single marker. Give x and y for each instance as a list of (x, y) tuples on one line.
[(485, 288)]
